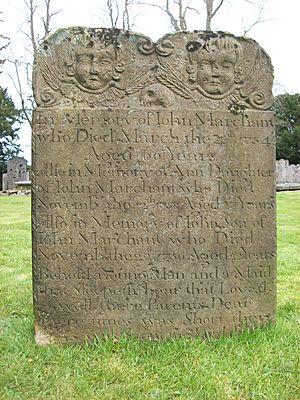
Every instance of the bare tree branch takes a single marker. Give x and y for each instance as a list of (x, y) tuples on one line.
[(188, 8), (178, 21), (32, 9), (217, 8), (37, 27), (113, 12), (126, 15), (118, 14), (181, 14), (128, 18), (46, 19), (211, 12), (258, 20), (5, 43), (16, 81), (173, 19), (48, 16)]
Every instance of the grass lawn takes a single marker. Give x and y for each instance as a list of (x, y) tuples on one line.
[(260, 365)]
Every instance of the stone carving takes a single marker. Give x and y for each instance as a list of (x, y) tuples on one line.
[(93, 69), (164, 48), (169, 77), (216, 66), (153, 186), (215, 70), (156, 95), (257, 90), (86, 72)]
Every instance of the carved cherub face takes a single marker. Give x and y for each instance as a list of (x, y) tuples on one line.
[(216, 71), (218, 67), (93, 68)]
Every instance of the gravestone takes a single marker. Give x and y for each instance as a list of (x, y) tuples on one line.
[(16, 171), (153, 185), (287, 175)]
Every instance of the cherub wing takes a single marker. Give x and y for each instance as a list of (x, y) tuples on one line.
[(167, 76), (258, 89), (142, 79), (50, 72), (257, 74)]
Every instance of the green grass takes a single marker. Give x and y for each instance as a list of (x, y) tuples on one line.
[(263, 364)]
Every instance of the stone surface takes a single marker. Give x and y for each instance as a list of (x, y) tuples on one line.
[(153, 185)]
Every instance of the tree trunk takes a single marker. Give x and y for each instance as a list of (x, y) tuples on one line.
[(209, 13)]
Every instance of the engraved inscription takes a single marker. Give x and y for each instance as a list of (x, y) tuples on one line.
[(153, 186)]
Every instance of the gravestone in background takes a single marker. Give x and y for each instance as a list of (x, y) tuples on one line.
[(287, 175), (153, 185), (16, 171)]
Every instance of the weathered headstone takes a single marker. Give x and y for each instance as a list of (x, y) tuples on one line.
[(16, 171), (287, 175), (153, 183)]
